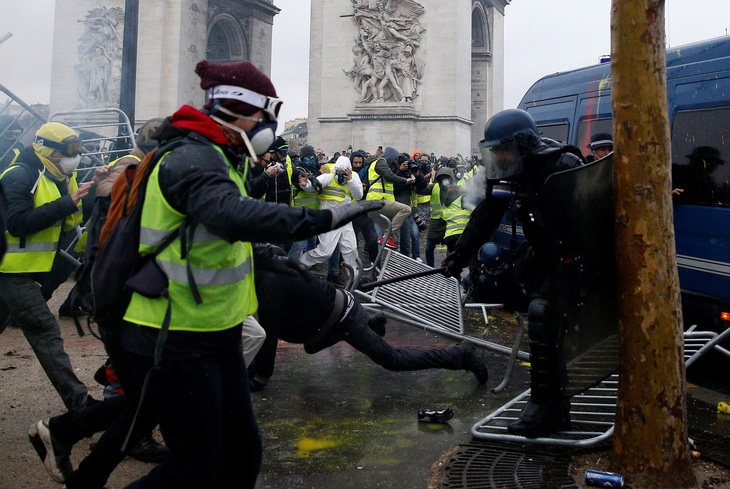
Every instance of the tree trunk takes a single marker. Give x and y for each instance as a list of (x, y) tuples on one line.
[(650, 445)]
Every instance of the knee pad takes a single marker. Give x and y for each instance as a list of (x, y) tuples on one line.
[(537, 310), (540, 327)]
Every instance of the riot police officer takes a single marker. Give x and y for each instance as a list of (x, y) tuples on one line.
[(517, 157)]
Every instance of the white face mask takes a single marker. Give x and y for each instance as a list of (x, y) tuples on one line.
[(68, 164)]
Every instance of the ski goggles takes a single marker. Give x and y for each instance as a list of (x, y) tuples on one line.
[(270, 105), (70, 147)]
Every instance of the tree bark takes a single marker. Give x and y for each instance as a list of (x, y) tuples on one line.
[(650, 444)]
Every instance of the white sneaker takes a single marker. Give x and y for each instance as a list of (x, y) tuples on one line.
[(55, 458), (418, 259)]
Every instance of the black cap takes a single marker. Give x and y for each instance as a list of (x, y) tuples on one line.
[(280, 145), (600, 140), (306, 150)]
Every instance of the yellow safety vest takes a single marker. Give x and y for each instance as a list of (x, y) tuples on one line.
[(223, 271), (306, 199), (437, 210), (35, 252), (334, 192), (379, 189), (127, 156), (456, 218)]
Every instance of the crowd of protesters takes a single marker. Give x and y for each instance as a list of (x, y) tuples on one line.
[(224, 199)]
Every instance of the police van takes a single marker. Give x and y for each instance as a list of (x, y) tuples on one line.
[(571, 106)]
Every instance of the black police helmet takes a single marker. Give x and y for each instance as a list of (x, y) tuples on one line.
[(508, 137), (512, 123)]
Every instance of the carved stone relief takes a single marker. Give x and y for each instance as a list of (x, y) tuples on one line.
[(100, 57), (386, 65)]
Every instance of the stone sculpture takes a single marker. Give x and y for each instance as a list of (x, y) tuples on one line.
[(100, 55), (386, 66)]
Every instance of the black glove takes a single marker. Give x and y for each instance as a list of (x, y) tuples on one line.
[(346, 213), (270, 258), (454, 263)]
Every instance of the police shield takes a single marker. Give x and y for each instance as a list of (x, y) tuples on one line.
[(580, 222)]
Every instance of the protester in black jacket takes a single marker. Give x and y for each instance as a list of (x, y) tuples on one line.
[(196, 393), (323, 315)]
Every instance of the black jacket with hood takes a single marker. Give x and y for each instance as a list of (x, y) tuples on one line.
[(194, 180)]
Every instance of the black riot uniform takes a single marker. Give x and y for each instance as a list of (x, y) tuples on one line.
[(515, 155)]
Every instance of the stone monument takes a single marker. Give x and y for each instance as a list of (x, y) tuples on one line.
[(172, 37), (410, 74)]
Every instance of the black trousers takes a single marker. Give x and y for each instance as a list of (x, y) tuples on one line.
[(364, 225), (113, 416), (355, 331), (206, 419), (297, 321)]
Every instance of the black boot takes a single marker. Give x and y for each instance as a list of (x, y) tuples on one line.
[(538, 420), (472, 363), (548, 410), (149, 451)]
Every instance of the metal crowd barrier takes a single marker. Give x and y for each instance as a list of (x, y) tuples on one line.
[(593, 410)]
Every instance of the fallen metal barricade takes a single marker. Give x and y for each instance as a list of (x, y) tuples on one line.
[(431, 302), (593, 410)]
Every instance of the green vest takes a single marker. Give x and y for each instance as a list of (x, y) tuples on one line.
[(456, 218), (437, 210), (306, 199), (16, 152), (379, 189), (289, 171), (223, 271), (334, 192), (35, 252), (127, 156)]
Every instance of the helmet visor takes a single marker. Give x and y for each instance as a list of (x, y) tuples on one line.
[(502, 159)]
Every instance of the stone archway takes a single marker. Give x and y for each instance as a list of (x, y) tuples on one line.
[(227, 40), (481, 60)]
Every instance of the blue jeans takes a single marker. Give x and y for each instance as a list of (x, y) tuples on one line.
[(333, 265), (410, 239), (296, 250), (430, 250)]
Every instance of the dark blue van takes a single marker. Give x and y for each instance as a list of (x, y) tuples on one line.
[(571, 106)]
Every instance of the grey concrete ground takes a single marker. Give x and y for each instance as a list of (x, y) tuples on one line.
[(334, 419)]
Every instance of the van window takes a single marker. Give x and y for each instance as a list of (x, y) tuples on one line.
[(701, 156), (558, 132), (586, 129)]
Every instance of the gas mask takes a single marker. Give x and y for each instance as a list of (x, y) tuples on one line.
[(68, 164), (459, 175), (258, 140), (341, 178)]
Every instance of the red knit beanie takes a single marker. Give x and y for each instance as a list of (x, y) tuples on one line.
[(242, 74)]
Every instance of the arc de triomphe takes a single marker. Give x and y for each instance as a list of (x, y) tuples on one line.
[(422, 74), (411, 74)]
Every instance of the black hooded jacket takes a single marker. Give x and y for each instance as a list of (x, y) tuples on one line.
[(194, 180), (22, 218)]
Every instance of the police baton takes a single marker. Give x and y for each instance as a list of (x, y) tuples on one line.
[(371, 285)]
